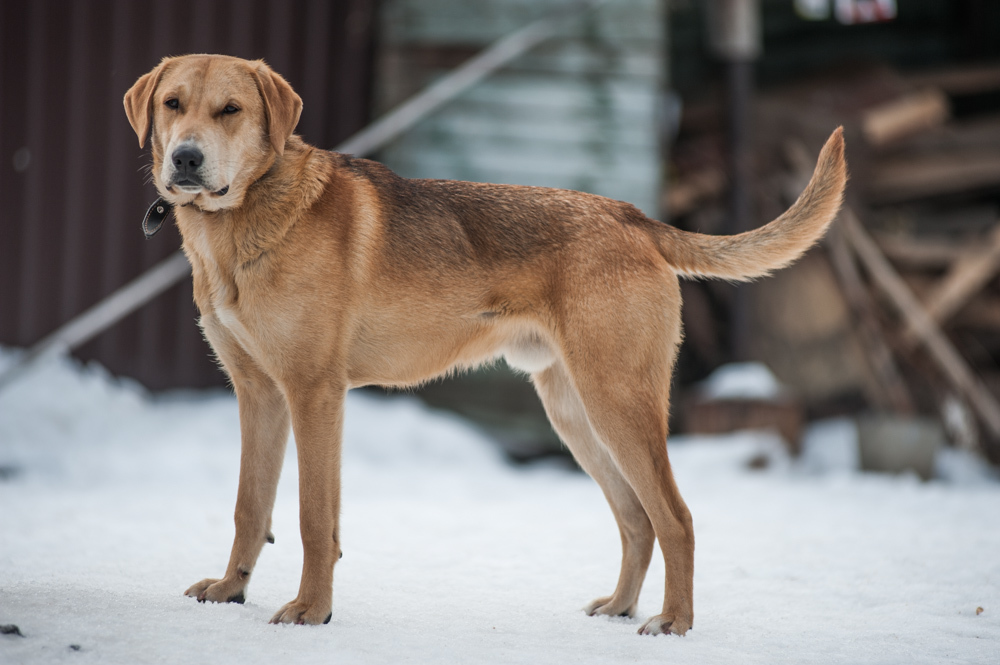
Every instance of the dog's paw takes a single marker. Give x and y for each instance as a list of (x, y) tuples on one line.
[(218, 591), (610, 606), (666, 624), (298, 612)]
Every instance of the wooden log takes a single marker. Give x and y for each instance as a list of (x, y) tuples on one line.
[(940, 348), (890, 392), (918, 253), (908, 115), (962, 80), (976, 133), (914, 177), (977, 265), (983, 313), (787, 417)]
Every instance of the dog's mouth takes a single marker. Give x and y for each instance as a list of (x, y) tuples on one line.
[(189, 186)]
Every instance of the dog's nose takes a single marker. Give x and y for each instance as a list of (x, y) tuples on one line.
[(187, 159)]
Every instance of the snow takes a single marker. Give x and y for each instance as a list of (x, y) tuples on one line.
[(452, 556), (748, 380)]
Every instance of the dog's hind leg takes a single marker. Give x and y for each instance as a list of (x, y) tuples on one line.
[(566, 412), (629, 415), (264, 425), (619, 342)]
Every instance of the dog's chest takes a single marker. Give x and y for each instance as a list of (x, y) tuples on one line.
[(250, 316), (260, 328)]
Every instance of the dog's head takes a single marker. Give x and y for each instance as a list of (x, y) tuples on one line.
[(217, 122)]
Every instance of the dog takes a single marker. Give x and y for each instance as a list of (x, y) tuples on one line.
[(316, 272)]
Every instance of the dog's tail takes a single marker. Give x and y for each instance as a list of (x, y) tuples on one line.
[(759, 252)]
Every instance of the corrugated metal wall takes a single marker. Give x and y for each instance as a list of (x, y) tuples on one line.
[(580, 111), (72, 178)]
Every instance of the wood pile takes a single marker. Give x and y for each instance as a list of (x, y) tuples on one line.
[(899, 311), (785, 417)]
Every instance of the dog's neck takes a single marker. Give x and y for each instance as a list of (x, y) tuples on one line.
[(273, 203)]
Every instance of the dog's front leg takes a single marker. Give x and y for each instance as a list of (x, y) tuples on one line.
[(317, 420), (264, 432)]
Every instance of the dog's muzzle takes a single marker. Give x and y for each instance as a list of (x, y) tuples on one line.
[(187, 161)]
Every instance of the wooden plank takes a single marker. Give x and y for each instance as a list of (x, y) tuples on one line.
[(962, 80), (890, 392), (910, 114), (940, 348), (977, 265), (983, 313), (915, 177), (787, 417), (977, 133), (914, 252)]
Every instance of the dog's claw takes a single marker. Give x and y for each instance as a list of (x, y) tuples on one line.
[(218, 591), (300, 614), (610, 607), (666, 625)]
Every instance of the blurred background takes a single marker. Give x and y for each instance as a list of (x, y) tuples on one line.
[(706, 115)]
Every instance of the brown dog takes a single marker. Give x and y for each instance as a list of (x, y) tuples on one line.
[(316, 272)]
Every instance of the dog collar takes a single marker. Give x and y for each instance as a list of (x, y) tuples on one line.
[(153, 220)]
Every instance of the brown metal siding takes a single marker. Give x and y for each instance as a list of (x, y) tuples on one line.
[(69, 221)]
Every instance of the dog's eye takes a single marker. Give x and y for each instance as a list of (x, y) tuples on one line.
[(230, 109), (172, 103)]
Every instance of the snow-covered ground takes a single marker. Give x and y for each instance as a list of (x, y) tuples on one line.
[(452, 556)]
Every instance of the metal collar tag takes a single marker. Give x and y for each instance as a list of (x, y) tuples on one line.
[(153, 220)]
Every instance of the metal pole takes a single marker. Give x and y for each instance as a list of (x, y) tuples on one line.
[(735, 36), (161, 277), (740, 90), (112, 309)]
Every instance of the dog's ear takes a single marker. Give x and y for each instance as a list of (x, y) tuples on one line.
[(139, 101), (282, 105)]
